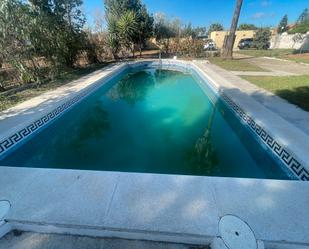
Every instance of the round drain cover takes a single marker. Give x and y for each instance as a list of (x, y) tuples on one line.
[(236, 234), (4, 209)]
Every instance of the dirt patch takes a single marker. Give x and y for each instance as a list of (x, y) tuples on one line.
[(299, 57), (303, 56)]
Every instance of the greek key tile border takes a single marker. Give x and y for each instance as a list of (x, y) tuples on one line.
[(286, 157), (11, 141)]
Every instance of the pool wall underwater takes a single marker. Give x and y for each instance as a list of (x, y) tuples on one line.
[(293, 166)]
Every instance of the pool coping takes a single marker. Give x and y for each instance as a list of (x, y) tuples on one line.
[(119, 204), (175, 208)]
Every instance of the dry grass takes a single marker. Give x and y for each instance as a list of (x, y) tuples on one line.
[(304, 58), (12, 98)]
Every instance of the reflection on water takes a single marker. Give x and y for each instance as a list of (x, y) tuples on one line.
[(95, 126), (135, 86), (163, 76), (203, 156), (133, 89)]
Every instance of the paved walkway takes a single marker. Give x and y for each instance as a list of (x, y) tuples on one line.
[(272, 73), (280, 66), (277, 67), (56, 241)]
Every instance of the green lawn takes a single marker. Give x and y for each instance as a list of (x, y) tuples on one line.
[(9, 100), (268, 52), (294, 89), (235, 65), (278, 53)]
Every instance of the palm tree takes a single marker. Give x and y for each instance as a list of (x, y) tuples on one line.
[(113, 36), (230, 38), (128, 28)]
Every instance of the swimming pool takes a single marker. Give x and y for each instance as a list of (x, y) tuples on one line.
[(149, 119)]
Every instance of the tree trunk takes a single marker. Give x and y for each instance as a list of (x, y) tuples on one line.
[(140, 46), (230, 38), (133, 52), (167, 45), (2, 89), (115, 54)]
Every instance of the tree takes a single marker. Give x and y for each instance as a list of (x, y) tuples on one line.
[(97, 38), (64, 21), (261, 38), (283, 25), (127, 27), (163, 31), (189, 31), (116, 8), (145, 29), (175, 26), (15, 35), (99, 20), (41, 30), (113, 39), (246, 26), (199, 31), (215, 27), (230, 38), (302, 24), (119, 9), (303, 17)]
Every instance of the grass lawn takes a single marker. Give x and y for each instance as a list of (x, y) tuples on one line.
[(235, 65), (278, 53), (294, 89), (9, 100), (268, 52)]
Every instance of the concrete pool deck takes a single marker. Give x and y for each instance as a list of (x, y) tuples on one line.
[(173, 208)]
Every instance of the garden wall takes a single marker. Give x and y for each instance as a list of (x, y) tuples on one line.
[(292, 41)]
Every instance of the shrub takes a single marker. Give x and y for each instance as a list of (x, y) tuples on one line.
[(261, 39), (187, 47)]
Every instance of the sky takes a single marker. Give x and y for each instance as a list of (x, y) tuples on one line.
[(205, 12)]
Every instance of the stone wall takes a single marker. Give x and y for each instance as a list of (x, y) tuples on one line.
[(292, 41)]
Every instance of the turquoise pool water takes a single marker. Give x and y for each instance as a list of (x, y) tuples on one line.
[(152, 120)]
